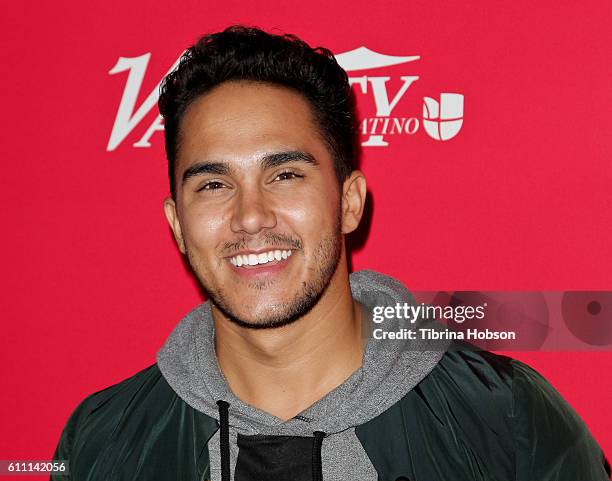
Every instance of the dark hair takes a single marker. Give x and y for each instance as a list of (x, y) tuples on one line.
[(244, 53)]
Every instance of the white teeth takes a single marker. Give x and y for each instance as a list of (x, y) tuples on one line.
[(257, 259)]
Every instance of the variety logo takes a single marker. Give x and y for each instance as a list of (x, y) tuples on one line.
[(442, 119)]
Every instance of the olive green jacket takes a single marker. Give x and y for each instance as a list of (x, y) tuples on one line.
[(476, 416)]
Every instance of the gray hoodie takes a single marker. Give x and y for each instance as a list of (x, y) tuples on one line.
[(390, 369)]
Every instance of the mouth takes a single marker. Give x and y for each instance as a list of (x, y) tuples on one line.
[(250, 260)]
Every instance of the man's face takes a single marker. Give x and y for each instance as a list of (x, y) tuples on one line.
[(258, 207)]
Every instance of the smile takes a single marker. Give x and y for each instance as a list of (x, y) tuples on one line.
[(261, 258)]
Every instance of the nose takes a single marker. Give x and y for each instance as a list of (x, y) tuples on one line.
[(252, 212)]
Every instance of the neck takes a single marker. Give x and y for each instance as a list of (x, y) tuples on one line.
[(285, 370)]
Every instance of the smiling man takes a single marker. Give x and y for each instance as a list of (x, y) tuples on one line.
[(260, 214), (272, 377)]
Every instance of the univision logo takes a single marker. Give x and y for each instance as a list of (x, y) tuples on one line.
[(442, 117), (443, 120)]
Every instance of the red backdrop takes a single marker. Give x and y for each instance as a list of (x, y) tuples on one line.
[(518, 199)]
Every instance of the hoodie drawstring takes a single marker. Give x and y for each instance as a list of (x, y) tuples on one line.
[(317, 467), (224, 439), (224, 445)]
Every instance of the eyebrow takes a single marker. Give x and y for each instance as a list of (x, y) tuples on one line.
[(279, 158), (267, 161), (201, 168)]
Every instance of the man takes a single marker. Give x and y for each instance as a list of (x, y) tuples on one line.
[(272, 379)]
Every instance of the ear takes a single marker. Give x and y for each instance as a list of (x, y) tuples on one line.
[(354, 191), (172, 217)]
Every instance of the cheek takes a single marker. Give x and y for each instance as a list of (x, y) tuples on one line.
[(203, 230), (311, 217)]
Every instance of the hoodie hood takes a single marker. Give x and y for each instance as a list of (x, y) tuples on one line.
[(390, 369)]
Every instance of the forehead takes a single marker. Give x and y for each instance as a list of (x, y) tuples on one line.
[(244, 118)]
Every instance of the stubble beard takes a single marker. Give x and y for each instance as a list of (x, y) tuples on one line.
[(327, 257)]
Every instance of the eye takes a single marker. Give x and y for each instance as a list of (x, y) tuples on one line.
[(213, 185), (288, 175)]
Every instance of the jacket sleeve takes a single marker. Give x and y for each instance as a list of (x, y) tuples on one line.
[(64, 449), (552, 442)]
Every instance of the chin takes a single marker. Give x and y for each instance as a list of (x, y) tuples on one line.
[(266, 317), (269, 314)]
